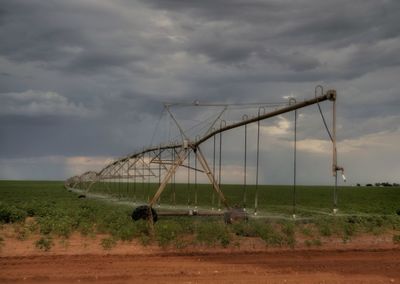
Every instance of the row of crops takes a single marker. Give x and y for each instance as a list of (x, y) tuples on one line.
[(49, 210)]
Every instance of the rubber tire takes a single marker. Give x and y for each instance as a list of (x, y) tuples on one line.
[(142, 212)]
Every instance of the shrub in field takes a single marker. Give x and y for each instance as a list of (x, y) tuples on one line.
[(44, 243), (396, 239), (118, 224), (167, 232), (40, 208), (374, 224), (244, 229), (288, 230), (85, 228), (306, 231), (11, 214), (349, 230), (395, 222), (108, 243), (61, 226), (64, 226), (187, 224), (127, 232), (89, 212), (324, 227), (211, 233), (46, 225), (266, 232)]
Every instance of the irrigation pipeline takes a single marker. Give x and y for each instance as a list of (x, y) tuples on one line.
[(206, 211), (109, 172), (330, 95)]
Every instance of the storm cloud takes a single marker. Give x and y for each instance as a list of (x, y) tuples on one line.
[(88, 79)]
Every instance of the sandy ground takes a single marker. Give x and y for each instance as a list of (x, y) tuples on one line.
[(367, 259)]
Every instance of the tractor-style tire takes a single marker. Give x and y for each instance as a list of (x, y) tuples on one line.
[(142, 212)]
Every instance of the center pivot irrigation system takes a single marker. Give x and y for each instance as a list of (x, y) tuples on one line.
[(162, 162)]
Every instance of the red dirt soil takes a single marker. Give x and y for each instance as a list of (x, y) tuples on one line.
[(382, 266), (365, 259)]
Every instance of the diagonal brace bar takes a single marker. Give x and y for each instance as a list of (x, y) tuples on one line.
[(182, 156), (210, 176)]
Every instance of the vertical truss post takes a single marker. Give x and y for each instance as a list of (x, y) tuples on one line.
[(245, 164), (207, 170), (335, 167)]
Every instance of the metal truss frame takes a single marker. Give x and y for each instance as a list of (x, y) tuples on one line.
[(144, 164)]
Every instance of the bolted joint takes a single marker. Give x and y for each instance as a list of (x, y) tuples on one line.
[(331, 94)]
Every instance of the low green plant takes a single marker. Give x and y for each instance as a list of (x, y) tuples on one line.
[(64, 226), (306, 231), (396, 239), (211, 233), (144, 239), (349, 231), (244, 229), (288, 230), (167, 232), (44, 243), (56, 212), (86, 228), (11, 214), (266, 232), (108, 243), (324, 227)]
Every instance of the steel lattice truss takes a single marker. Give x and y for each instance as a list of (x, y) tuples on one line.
[(163, 161)]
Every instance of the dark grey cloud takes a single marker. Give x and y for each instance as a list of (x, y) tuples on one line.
[(88, 78), (293, 34)]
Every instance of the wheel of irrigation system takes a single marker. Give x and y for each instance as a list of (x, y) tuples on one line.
[(142, 212)]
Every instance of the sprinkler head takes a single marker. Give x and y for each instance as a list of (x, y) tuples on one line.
[(344, 177)]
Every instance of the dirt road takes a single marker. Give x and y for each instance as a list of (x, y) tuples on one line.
[(272, 267)]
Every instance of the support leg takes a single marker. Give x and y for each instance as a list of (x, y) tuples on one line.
[(210, 176)]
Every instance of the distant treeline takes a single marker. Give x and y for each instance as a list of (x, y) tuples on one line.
[(380, 184)]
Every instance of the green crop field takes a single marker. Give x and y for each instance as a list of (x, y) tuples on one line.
[(310, 200), (47, 209)]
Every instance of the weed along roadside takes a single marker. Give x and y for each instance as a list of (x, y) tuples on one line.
[(46, 216)]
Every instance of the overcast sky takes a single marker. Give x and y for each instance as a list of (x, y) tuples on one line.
[(83, 81)]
